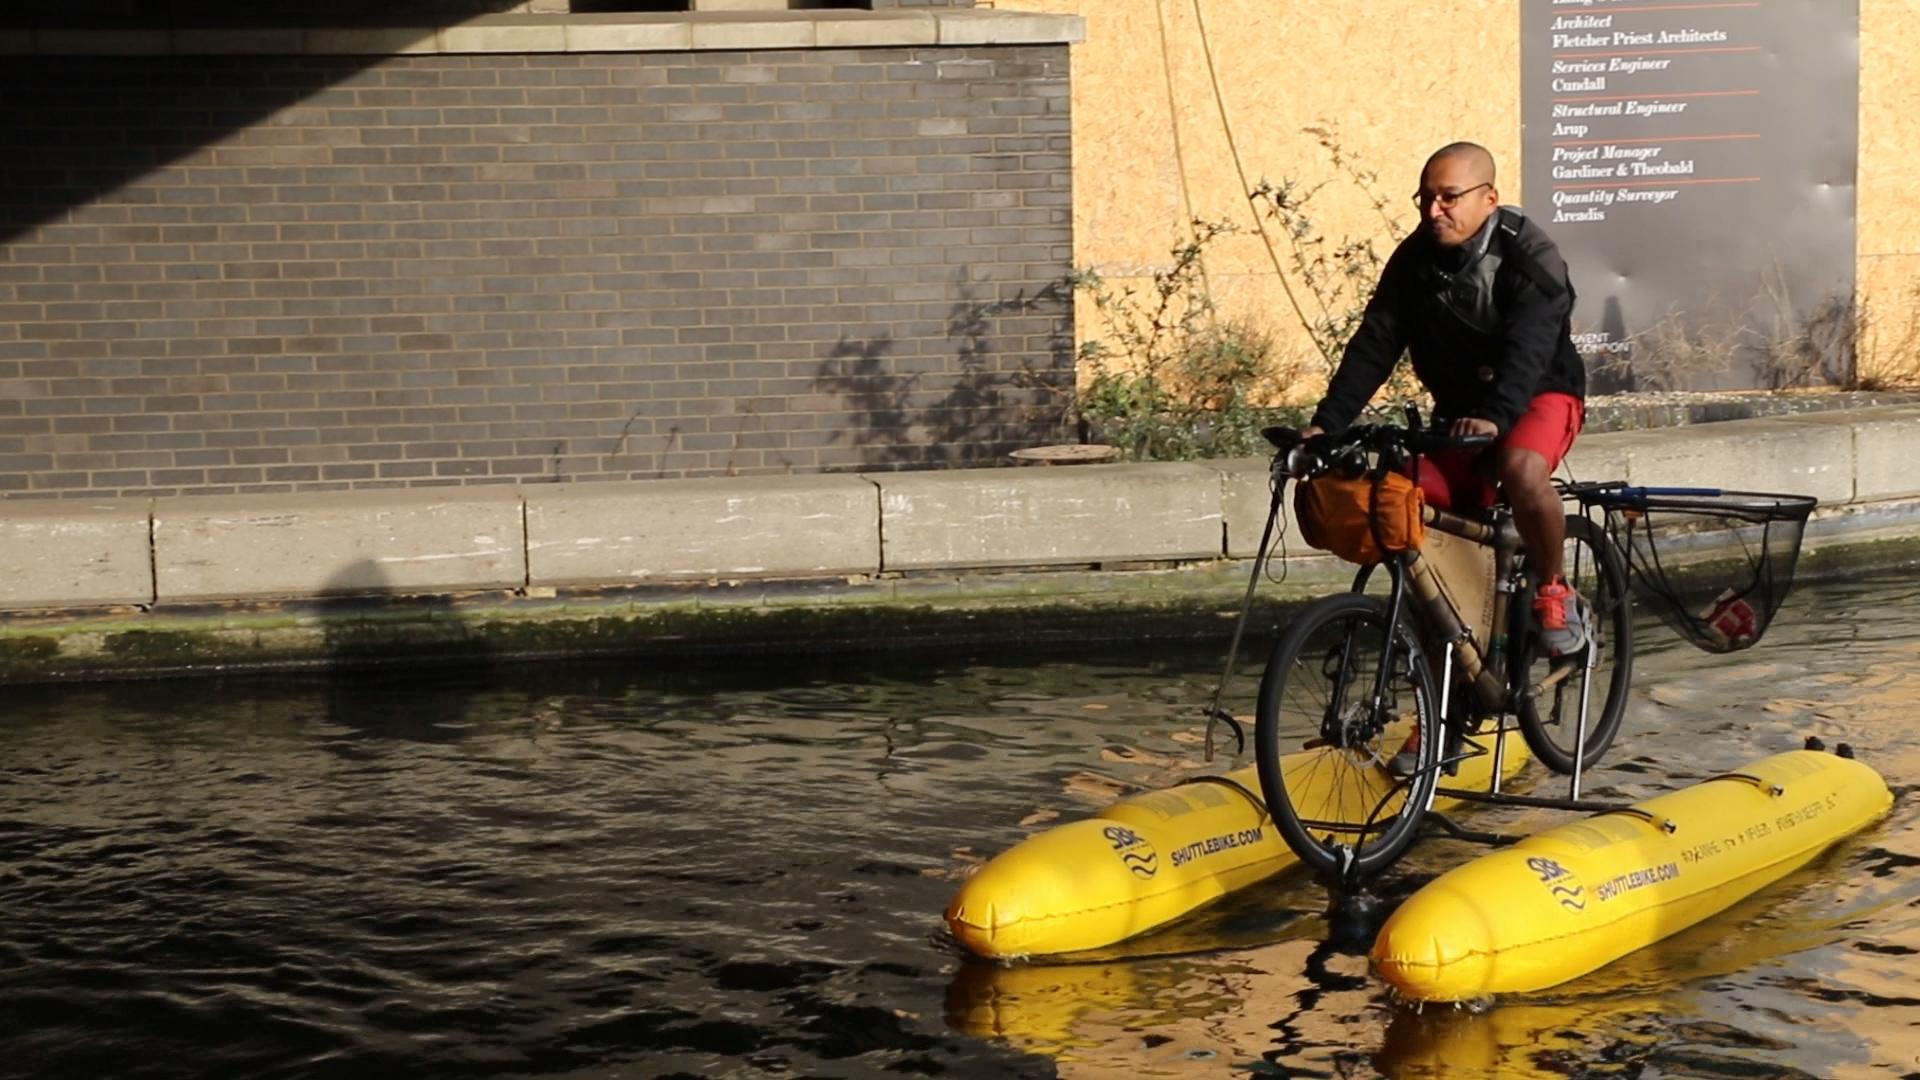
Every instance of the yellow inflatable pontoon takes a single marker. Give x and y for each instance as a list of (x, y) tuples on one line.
[(1568, 900), (1143, 862)]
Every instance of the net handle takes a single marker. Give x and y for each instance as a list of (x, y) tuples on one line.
[(1783, 504)]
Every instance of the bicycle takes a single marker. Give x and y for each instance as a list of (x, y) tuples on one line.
[(1358, 681)]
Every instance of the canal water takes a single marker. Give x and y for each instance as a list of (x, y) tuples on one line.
[(738, 868)]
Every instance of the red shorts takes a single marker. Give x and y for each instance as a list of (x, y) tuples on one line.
[(1464, 480)]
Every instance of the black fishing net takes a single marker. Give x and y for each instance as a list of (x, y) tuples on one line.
[(1714, 565)]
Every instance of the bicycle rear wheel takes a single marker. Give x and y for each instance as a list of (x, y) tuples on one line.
[(1323, 742), (1550, 722)]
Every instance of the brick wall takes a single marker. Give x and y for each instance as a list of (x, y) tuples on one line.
[(248, 274)]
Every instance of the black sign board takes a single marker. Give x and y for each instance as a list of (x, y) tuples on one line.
[(1695, 162)]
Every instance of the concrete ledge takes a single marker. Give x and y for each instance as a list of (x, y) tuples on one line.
[(1073, 609), (574, 33), (79, 554), (668, 530), (1081, 514), (871, 33), (1246, 498), (1800, 456), (1886, 449), (338, 543), (442, 567), (1009, 28), (263, 41), (626, 35), (369, 41), (596, 535)]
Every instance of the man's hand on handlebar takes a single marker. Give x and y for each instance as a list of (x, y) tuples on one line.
[(1462, 434), (1304, 456), (1306, 452)]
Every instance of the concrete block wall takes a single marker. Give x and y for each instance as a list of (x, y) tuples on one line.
[(257, 274), (1885, 451), (1787, 454), (678, 530), (337, 543), (1037, 517), (192, 549), (74, 553)]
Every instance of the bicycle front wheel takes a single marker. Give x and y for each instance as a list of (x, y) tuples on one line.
[(1550, 719), (1327, 726)]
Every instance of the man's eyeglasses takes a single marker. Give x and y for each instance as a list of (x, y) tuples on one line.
[(1446, 199)]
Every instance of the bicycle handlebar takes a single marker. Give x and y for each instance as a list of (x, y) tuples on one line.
[(1314, 456)]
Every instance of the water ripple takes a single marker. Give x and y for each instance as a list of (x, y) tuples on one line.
[(737, 870)]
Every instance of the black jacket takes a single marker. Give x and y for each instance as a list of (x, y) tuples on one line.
[(1485, 340)]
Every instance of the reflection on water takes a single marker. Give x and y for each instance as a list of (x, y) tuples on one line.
[(1812, 977), (739, 870)]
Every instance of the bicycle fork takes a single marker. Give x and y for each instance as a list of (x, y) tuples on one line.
[(1350, 904)]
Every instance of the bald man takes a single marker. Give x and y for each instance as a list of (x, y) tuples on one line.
[(1480, 298)]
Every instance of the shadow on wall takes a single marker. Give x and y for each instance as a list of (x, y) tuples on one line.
[(984, 400), (58, 163), (1604, 377), (367, 625), (406, 669), (62, 158), (59, 166)]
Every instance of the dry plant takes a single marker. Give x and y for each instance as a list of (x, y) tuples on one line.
[(1889, 357), (1817, 349), (1784, 348), (1169, 378), (1675, 354), (1338, 275)]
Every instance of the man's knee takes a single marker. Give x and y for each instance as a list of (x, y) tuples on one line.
[(1522, 469)]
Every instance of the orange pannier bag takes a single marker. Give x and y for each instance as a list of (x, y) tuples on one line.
[(1361, 518)]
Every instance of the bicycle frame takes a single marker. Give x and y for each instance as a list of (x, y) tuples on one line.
[(1486, 663), (1493, 668)]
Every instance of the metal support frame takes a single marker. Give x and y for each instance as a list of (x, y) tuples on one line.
[(1590, 806), (1580, 729)]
